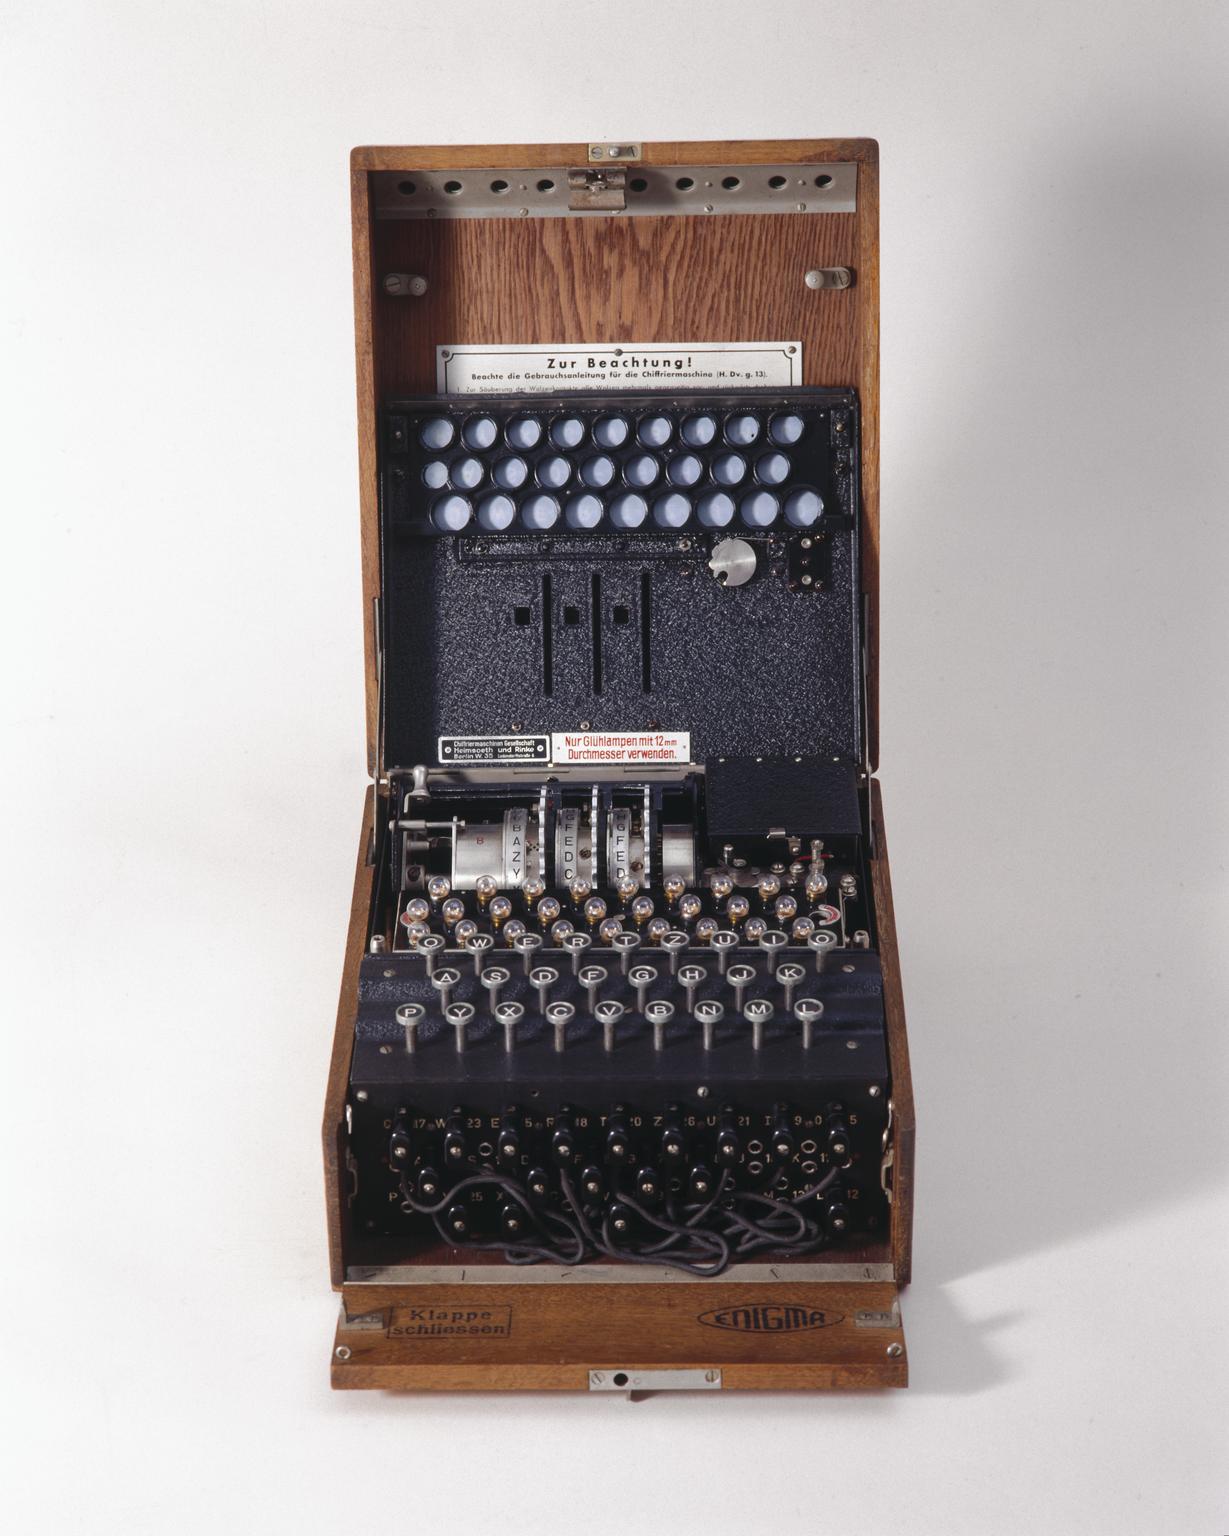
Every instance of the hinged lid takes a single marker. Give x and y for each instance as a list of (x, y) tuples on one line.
[(712, 243)]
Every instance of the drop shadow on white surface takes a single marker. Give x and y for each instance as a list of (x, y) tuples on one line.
[(1068, 1024)]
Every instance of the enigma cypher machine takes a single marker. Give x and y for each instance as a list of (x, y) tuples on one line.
[(621, 1011)]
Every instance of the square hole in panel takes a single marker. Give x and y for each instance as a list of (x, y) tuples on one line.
[(522, 617)]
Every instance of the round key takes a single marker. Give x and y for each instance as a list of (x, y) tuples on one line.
[(495, 978), (804, 507), (625, 945), (444, 981), (559, 1016), (740, 978), (785, 428), (789, 976), (509, 1015), (641, 469), (540, 512), (430, 948), (479, 432), (554, 471), (759, 509), (821, 941), (598, 472), (772, 469), (496, 513), (479, 946), (410, 1016), (628, 510), (684, 470), (460, 1016), (567, 432), (690, 978), (452, 513), (435, 474), (500, 911), (584, 512), (698, 431), (608, 1015), (524, 432), (467, 473), (591, 978), (576, 944), (526, 945), (542, 978), (674, 942), (610, 431), (723, 941), (808, 1011), (771, 940), (758, 1013), (741, 429), (715, 509), (436, 432), (655, 431), (510, 473), (659, 1015), (710, 1014), (642, 978)]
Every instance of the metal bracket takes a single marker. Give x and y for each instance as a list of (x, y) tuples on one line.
[(597, 189), (625, 153), (405, 285), (655, 1381), (364, 1322)]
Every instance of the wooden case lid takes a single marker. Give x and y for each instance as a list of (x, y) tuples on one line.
[(552, 276)]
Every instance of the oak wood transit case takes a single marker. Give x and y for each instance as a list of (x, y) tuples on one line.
[(619, 1097)]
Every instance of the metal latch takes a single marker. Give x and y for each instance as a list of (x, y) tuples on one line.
[(591, 188), (655, 1381)]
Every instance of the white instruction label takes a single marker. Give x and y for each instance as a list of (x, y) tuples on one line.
[(610, 747), (482, 370)]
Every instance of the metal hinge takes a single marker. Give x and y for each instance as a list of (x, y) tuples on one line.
[(615, 154), (603, 190)]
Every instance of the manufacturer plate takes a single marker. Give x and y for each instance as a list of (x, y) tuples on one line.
[(493, 749), (734, 365)]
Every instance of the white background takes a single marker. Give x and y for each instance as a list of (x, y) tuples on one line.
[(182, 756)]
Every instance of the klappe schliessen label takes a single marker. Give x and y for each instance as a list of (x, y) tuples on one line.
[(611, 747), (519, 369)]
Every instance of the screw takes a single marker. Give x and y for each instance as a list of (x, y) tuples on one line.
[(342, 1352), (895, 1351), (361, 1095), (874, 1090)]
